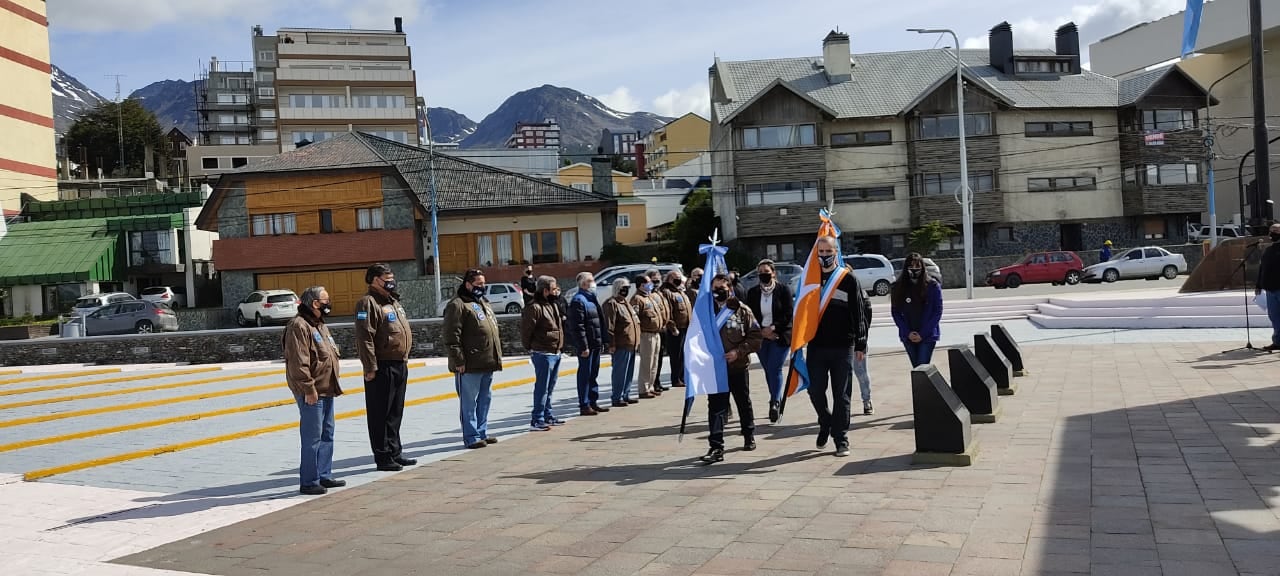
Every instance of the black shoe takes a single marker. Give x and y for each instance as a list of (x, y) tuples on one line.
[(773, 412), (389, 466), (404, 461), (713, 455), (823, 434), (750, 444), (842, 449), (491, 440), (632, 401), (678, 385), (599, 408), (867, 408), (477, 444), (331, 483), (619, 404), (315, 490)]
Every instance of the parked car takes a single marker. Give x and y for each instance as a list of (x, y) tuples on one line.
[(930, 268), (1150, 262), (504, 298), (606, 276), (784, 271), (874, 272), (263, 307), (129, 317), (174, 297), (1039, 268), (1198, 232), (88, 304)]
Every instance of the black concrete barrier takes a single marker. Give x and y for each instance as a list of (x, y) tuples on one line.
[(995, 362), (973, 384), (1010, 348), (943, 432)]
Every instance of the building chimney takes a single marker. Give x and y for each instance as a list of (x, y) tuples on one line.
[(602, 175), (399, 25), (640, 167), (257, 30), (1068, 44), (836, 58), (1000, 47)]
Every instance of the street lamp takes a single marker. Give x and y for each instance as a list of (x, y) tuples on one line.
[(966, 195), (1208, 144)]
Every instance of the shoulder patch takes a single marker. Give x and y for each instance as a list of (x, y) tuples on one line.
[(362, 315)]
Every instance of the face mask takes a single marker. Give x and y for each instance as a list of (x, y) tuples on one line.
[(555, 293), (624, 291), (389, 285), (695, 280), (477, 291), (1275, 237), (647, 287), (325, 310), (677, 282), (827, 261), (914, 273), (721, 294), (529, 273), (766, 278)]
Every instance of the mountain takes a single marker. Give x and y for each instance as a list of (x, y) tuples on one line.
[(70, 99), (581, 118), (173, 102), (448, 126)]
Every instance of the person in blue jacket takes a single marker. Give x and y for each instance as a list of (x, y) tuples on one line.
[(917, 310), (1104, 255), (587, 335)]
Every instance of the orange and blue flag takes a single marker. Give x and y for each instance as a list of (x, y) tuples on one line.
[(812, 297)]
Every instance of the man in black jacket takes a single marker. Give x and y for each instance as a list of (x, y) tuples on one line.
[(587, 335), (841, 335), (771, 303), (1269, 282)]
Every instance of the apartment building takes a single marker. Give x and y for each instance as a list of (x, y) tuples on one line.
[(1058, 156), (28, 160), (619, 142), (536, 135), (675, 144)]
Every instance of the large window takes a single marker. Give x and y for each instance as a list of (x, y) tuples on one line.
[(229, 98), (317, 101), (1172, 174), (780, 193), (400, 136), (872, 138), (209, 162), (1163, 120), (947, 126), (312, 137), (940, 184), (1081, 128), (61, 298), (1062, 183), (781, 252), (377, 101), (369, 219), (541, 247), (779, 136), (151, 247), (275, 224), (873, 194), (1041, 66)]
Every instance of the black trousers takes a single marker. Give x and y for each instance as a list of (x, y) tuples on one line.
[(662, 353), (675, 350), (718, 408), (384, 402), (834, 366)]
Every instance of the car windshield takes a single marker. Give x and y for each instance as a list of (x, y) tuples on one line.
[(155, 290), (281, 298)]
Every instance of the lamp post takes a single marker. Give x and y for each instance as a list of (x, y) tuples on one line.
[(435, 210), (1208, 144), (966, 195)]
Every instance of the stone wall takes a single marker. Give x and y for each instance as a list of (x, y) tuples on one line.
[(215, 346), (236, 285), (196, 319)]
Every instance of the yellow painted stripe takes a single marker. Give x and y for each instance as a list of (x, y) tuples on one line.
[(9, 372), (132, 377), (59, 376), (106, 393), (146, 453)]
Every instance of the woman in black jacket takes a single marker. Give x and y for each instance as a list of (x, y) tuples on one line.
[(770, 301)]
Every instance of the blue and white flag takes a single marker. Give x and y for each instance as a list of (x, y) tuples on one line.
[(1191, 25), (705, 369)]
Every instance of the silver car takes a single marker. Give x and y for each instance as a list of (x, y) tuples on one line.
[(930, 268), (137, 317)]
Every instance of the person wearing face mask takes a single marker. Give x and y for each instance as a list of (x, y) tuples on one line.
[(681, 310), (383, 341), (474, 346), (655, 278), (740, 336), (622, 324), (691, 287), (586, 334), (1269, 281), (916, 305), (839, 340), (651, 324), (542, 333), (771, 303), (528, 285), (311, 370)]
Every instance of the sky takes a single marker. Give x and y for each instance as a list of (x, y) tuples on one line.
[(470, 55)]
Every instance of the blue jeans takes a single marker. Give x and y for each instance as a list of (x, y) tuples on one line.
[(546, 367), (588, 386), (315, 425), (773, 355), (864, 379), (474, 395), (921, 353), (1273, 312), (624, 364)]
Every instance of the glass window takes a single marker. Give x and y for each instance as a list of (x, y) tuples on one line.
[(569, 245), (209, 163), (369, 219), (873, 194), (624, 220), (1004, 234), (505, 254), (1161, 120), (846, 139), (1173, 174), (326, 221), (497, 289), (1152, 253), (267, 113), (779, 136), (239, 161), (940, 184), (151, 247), (946, 126), (1074, 128), (266, 92), (877, 137), (484, 252), (274, 224), (781, 193), (1062, 183)]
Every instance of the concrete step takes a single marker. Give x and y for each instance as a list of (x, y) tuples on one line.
[(1147, 322), (1159, 310)]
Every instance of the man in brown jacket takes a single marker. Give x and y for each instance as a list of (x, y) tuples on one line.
[(475, 352), (741, 336), (542, 333), (655, 277), (623, 327), (681, 311), (383, 340), (651, 323), (311, 370)]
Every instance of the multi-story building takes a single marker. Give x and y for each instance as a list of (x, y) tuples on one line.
[(675, 143), (1222, 52), (28, 164), (619, 142), (225, 106), (545, 134), (1050, 147)]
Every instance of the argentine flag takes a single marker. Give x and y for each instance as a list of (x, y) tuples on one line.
[(705, 370)]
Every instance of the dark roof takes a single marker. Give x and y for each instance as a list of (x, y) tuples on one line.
[(1136, 87)]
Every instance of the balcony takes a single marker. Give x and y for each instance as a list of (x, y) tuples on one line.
[(339, 51), (284, 76), (1176, 199), (219, 127), (346, 114), (779, 219), (988, 207)]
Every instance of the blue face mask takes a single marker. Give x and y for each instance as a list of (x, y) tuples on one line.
[(648, 286)]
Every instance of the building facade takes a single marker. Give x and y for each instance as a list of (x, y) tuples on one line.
[(620, 185), (536, 135), (28, 163), (675, 144), (876, 137)]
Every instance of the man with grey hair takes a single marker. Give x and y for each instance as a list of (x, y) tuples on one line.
[(622, 326), (680, 311), (311, 370), (542, 333), (588, 338), (655, 277), (691, 288)]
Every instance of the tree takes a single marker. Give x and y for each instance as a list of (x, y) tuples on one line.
[(925, 239), (97, 132), (692, 227)]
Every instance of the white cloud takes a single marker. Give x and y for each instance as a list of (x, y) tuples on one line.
[(379, 14), (110, 15), (696, 98), (1096, 20), (620, 99)]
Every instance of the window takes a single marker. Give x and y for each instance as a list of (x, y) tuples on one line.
[(781, 193), (1153, 229), (583, 186), (779, 136), (873, 138), (484, 250), (1060, 257), (400, 136), (878, 193), (541, 247), (379, 101), (569, 245), (268, 136), (226, 140), (1004, 234), (326, 221), (151, 247), (1062, 184), (232, 98), (369, 219), (498, 289), (1163, 120), (267, 92), (945, 126), (1041, 66), (266, 55), (267, 113), (275, 224), (266, 76), (781, 252), (1172, 174), (940, 184), (239, 161), (624, 220), (1082, 128), (317, 101), (209, 163), (311, 137), (505, 252), (1130, 174)]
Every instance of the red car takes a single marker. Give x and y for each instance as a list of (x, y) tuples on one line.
[(1039, 268)]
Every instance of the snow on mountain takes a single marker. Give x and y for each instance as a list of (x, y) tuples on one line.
[(71, 98)]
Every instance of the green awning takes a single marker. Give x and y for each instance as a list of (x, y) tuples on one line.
[(58, 252), (143, 223)]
